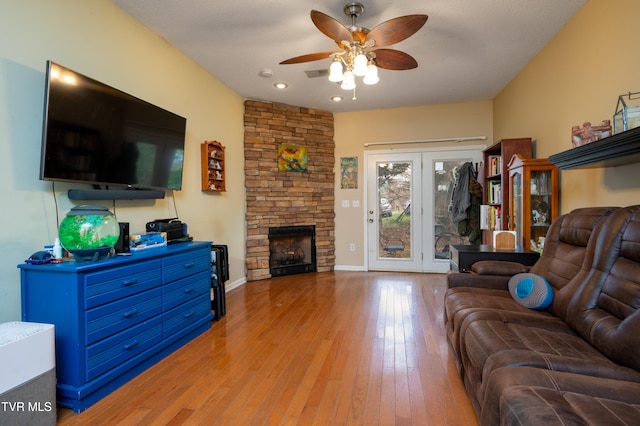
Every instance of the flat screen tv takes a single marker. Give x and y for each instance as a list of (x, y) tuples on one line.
[(96, 134)]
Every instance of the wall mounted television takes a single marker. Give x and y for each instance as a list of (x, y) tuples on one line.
[(96, 134)]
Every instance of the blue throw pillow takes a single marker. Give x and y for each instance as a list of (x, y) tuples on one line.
[(531, 290)]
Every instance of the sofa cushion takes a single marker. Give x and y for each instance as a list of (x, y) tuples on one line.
[(505, 382), (523, 405), (531, 290), (489, 345)]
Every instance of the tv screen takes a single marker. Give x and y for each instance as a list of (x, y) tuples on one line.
[(96, 134)]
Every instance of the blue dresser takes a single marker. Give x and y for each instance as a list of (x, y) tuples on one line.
[(115, 318)]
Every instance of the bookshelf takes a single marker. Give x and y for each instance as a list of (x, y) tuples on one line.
[(494, 213)]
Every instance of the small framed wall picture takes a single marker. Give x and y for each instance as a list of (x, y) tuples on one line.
[(348, 172), (292, 158)]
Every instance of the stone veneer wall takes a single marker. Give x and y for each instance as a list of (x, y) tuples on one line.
[(276, 198)]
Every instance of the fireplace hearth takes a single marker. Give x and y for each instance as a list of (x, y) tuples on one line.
[(292, 250)]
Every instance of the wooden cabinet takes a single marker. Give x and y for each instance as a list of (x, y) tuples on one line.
[(117, 317), (533, 204), (213, 167), (496, 182)]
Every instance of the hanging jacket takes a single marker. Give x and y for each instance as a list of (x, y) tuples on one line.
[(460, 196)]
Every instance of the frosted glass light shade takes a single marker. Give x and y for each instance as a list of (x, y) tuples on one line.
[(372, 75), (335, 72), (349, 81), (360, 65)]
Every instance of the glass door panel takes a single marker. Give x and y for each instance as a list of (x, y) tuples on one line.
[(394, 243)]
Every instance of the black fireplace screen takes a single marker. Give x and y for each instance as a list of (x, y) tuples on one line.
[(292, 250)]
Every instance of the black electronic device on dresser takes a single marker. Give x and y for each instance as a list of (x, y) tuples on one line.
[(176, 231), (122, 245), (219, 274)]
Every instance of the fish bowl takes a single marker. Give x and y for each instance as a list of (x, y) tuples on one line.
[(89, 232)]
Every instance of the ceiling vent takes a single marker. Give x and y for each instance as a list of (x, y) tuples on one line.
[(317, 73)]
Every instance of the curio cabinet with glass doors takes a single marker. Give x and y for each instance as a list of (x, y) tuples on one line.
[(533, 202)]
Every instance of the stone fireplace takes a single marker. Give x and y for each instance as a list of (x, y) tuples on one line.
[(277, 198)]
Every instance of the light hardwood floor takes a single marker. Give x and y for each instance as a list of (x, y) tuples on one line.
[(365, 348)]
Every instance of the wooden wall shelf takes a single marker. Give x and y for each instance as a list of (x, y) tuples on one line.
[(617, 150), (213, 167)]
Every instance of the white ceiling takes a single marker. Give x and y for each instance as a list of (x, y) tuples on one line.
[(468, 50)]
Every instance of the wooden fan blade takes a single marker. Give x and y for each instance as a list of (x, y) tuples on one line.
[(397, 29), (307, 58), (331, 27), (391, 59)]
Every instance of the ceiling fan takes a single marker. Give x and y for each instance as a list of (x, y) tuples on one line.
[(362, 49)]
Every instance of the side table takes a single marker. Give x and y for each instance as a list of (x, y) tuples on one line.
[(463, 256)]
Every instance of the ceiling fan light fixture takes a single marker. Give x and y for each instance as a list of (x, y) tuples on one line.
[(335, 71), (371, 77), (348, 81), (362, 50)]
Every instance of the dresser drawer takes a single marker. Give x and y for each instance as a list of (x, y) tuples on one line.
[(113, 317), (115, 283), (185, 289), (115, 350), (182, 316), (183, 264)]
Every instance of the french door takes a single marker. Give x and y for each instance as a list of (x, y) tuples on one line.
[(408, 225)]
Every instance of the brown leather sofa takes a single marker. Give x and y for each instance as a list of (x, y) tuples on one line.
[(575, 362)]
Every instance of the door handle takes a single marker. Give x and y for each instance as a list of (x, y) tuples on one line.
[(370, 220)]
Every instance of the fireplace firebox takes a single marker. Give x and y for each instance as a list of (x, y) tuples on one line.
[(292, 250)]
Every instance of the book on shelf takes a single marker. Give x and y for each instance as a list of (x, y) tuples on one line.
[(490, 218), (495, 165), (494, 193)]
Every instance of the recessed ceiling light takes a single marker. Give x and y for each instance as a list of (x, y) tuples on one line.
[(281, 85), (336, 98)]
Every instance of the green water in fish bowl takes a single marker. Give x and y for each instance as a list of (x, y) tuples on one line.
[(89, 232)]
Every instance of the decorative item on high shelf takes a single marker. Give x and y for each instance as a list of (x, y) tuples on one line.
[(588, 133), (626, 116)]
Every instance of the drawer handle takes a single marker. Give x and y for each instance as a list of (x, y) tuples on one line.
[(188, 290), (189, 314), (130, 282), (131, 344), (189, 265), (130, 313)]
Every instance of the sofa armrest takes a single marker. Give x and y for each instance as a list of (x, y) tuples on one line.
[(498, 267), (471, 279)]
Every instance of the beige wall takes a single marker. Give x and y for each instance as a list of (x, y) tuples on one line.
[(98, 39), (577, 77), (353, 130)]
